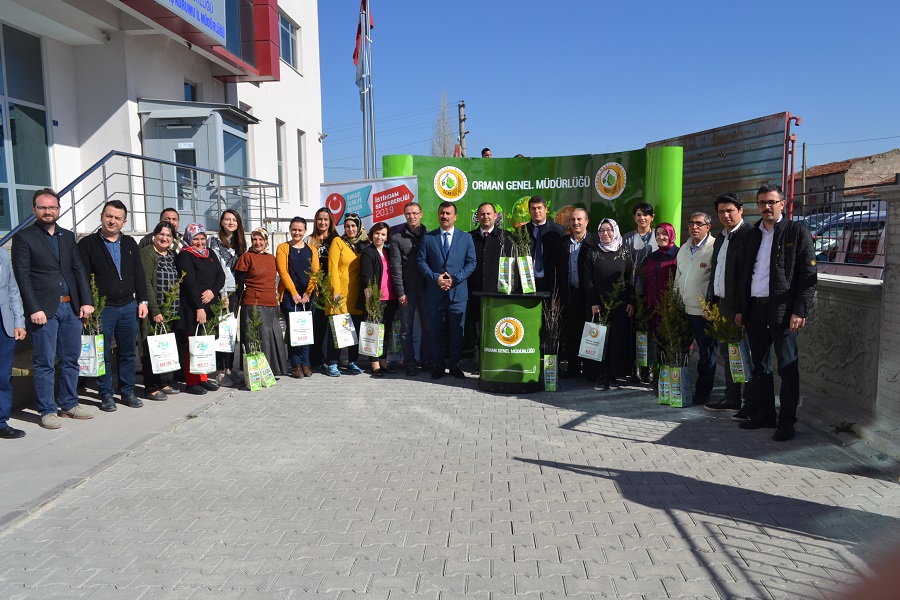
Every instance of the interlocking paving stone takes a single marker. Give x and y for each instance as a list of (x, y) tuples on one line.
[(355, 487)]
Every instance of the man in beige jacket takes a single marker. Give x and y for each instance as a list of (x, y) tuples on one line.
[(692, 277)]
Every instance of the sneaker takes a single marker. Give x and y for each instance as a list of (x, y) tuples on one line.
[(158, 395), (50, 421), (77, 412), (107, 404), (225, 380), (332, 371), (741, 415), (353, 368), (724, 404), (170, 390), (307, 372)]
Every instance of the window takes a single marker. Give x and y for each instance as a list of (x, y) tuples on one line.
[(301, 159), (289, 48), (190, 92), (279, 157)]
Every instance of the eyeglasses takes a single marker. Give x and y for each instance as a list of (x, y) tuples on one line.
[(47, 208), (606, 231), (697, 224), (768, 203)]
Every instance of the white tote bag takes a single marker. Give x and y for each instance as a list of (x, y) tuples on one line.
[(300, 327), (202, 349), (371, 339), (227, 338), (163, 352), (593, 341), (343, 331)]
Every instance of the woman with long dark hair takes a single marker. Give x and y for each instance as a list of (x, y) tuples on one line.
[(229, 245), (296, 261), (320, 240), (375, 268)]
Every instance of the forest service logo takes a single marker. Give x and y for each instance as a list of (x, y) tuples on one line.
[(509, 331), (450, 184), (610, 180)]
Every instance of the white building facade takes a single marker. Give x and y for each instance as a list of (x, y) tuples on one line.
[(227, 86)]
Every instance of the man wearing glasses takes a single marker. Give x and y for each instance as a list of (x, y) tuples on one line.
[(779, 295), (692, 275), (55, 293)]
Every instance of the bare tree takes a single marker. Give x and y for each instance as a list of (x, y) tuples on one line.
[(443, 143)]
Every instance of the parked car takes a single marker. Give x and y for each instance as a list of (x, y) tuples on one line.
[(853, 245)]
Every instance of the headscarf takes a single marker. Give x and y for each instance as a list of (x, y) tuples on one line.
[(361, 235), (189, 232), (616, 242), (265, 235), (671, 231)]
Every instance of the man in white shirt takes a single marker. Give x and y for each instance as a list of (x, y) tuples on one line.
[(781, 290)]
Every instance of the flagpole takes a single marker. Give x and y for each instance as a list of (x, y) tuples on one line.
[(371, 93), (362, 101)]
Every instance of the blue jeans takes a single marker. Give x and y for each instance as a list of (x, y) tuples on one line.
[(706, 366), (120, 322), (60, 335), (7, 350), (453, 315), (298, 356), (763, 339), (415, 303)]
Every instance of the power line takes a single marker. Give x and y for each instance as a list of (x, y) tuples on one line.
[(356, 138), (338, 128), (380, 151), (891, 137)]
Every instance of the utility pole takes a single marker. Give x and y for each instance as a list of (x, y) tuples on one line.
[(804, 179), (462, 127)]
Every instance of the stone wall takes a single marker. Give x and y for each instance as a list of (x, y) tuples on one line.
[(888, 401)]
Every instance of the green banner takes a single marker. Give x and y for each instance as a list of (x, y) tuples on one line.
[(607, 185)]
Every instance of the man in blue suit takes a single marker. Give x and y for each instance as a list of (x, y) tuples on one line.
[(447, 259)]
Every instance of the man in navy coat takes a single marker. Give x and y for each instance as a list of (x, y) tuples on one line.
[(447, 259)]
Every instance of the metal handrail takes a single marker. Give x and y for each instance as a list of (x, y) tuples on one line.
[(118, 153)]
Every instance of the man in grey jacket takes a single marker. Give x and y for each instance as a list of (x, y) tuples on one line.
[(409, 284)]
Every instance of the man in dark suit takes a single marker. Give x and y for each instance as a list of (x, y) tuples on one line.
[(726, 282), (545, 240), (490, 242), (56, 294), (114, 261), (447, 259), (571, 254)]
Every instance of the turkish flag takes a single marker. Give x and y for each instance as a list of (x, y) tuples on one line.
[(363, 9)]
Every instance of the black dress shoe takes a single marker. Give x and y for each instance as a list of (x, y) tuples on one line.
[(457, 372), (132, 401), (377, 372), (389, 369), (437, 373), (11, 433), (107, 404), (210, 385), (411, 371), (783, 433), (197, 390), (757, 423)]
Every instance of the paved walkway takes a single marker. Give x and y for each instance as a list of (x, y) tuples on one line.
[(402, 488)]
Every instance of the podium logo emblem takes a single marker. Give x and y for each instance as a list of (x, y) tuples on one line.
[(509, 331), (610, 180), (450, 183)]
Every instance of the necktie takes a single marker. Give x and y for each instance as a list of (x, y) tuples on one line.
[(446, 244), (538, 251), (485, 234)]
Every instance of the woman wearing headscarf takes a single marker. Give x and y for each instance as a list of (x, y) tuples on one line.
[(296, 261), (162, 275), (203, 282), (660, 269), (346, 281), (609, 265), (375, 268), (255, 273), (320, 241)]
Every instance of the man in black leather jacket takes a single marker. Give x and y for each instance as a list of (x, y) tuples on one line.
[(779, 295)]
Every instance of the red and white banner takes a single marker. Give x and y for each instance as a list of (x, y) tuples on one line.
[(374, 200)]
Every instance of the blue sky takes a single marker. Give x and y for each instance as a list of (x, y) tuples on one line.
[(580, 77)]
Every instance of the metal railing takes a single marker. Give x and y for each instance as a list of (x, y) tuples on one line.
[(849, 227), (147, 185)]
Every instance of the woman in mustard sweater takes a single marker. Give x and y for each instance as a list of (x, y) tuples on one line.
[(296, 260), (343, 269)]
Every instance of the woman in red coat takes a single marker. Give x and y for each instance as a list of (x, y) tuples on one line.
[(660, 268)]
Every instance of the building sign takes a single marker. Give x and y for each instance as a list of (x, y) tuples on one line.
[(206, 15)]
